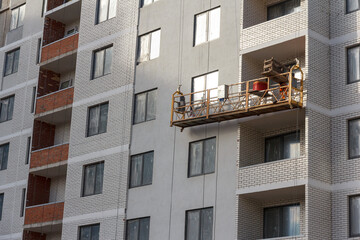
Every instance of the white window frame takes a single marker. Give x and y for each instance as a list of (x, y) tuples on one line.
[(147, 2), (18, 21), (108, 16), (108, 49), (14, 63), (151, 49), (207, 32)]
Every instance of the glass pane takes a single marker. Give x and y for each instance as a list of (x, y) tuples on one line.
[(133, 230), (200, 28), (148, 168), (291, 221), (275, 11), (16, 61), (108, 60), (10, 108), (99, 64), (144, 229), (196, 152), (85, 233), (273, 149), (214, 24), (355, 216), (1, 204), (354, 64), (155, 44), (146, 2), (136, 171), (291, 6), (206, 224), (21, 15), (352, 5), (112, 9), (354, 138), (199, 85), (272, 222), (102, 10), (89, 180), (14, 18), (9, 63), (95, 232), (99, 178), (212, 81), (103, 117), (5, 156), (93, 120), (193, 225), (4, 109), (144, 53), (1, 157), (292, 145), (151, 105), (140, 101), (209, 155)]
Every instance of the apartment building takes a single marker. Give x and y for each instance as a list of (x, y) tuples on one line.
[(196, 120)]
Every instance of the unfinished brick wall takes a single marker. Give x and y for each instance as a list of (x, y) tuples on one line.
[(53, 31), (49, 82), (45, 213), (58, 48), (43, 135), (38, 190), (28, 235), (54, 101), (49, 156), (51, 4)]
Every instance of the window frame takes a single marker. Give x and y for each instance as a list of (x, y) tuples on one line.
[(281, 206), (93, 62), (2, 195), (12, 111), (206, 88), (142, 169), (277, 4), (28, 150), (207, 26), (17, 8), (282, 135), (89, 225), (348, 137), (2, 157), (346, 7), (88, 119), (349, 214), (23, 199), (137, 219), (97, 20), (203, 158), (142, 3), (13, 51), (146, 109), (84, 178), (200, 219), (149, 46), (348, 48)]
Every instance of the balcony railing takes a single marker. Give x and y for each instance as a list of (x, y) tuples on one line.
[(50, 155), (282, 92), (44, 213), (55, 100), (59, 47)]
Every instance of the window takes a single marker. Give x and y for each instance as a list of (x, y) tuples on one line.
[(207, 26), (90, 232), (97, 119), (205, 82), (202, 157), (353, 64), (93, 179), (149, 47), (283, 8), (354, 138), (1, 204), (141, 169), (199, 224), (282, 221), (102, 60), (354, 216), (22, 202), (66, 84), (17, 17), (282, 147), (145, 106), (6, 108), (38, 51), (147, 2), (106, 9), (33, 98), (28, 148), (0, 4), (44, 8), (11, 62), (352, 5), (138, 229), (4, 154)]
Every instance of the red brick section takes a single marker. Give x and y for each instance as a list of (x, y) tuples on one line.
[(28, 235), (43, 135), (55, 100), (49, 82), (53, 4), (38, 190), (45, 213), (53, 31), (49, 156), (58, 48)]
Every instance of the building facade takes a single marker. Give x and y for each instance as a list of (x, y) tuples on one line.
[(123, 119)]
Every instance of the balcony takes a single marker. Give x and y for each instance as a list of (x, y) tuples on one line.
[(45, 214), (60, 48), (55, 101), (279, 92), (55, 9)]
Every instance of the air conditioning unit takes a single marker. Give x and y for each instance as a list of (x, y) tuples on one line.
[(71, 31)]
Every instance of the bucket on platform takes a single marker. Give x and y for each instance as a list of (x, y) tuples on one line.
[(259, 86)]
